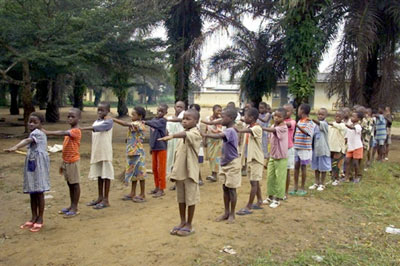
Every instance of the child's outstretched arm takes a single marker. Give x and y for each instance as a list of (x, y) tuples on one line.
[(316, 121), (56, 133), (302, 130), (156, 123), (350, 127), (179, 135), (21, 144), (244, 130), (213, 136), (176, 120), (212, 123), (122, 122), (266, 119), (269, 129)]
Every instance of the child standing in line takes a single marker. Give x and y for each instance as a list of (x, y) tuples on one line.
[(230, 164), (158, 149), (337, 145), (101, 168), (366, 126), (201, 151), (70, 166), (381, 133), (371, 121), (291, 125), (253, 157), (389, 120), (263, 120), (135, 155), (302, 148), (214, 146), (36, 170), (321, 159), (186, 171), (354, 146), (277, 165)]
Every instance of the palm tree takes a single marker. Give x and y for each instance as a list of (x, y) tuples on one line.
[(257, 57)]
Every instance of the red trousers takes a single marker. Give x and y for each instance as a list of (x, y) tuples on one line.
[(159, 165)]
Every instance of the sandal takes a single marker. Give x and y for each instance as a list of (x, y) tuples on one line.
[(301, 193), (185, 232), (100, 206), (158, 194), (138, 200), (244, 212), (92, 203), (256, 207), (127, 197), (36, 227), (27, 224), (63, 211), (71, 214), (174, 231), (154, 191)]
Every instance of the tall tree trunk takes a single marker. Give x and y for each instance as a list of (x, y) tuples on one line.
[(27, 93), (98, 92), (42, 93), (371, 79), (3, 93), (52, 111), (14, 91), (79, 90), (122, 108)]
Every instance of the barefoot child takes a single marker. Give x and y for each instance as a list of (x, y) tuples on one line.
[(158, 149), (135, 155), (36, 170), (230, 164), (321, 158), (253, 157), (354, 146), (101, 168), (213, 145), (302, 148), (291, 124), (185, 171), (70, 166), (337, 145), (277, 165)]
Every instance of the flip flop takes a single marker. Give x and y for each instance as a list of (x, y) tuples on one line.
[(174, 231), (27, 224), (92, 203), (158, 195), (71, 214), (244, 212), (127, 197), (138, 200), (154, 191), (36, 227), (301, 193), (63, 211), (100, 206), (293, 192), (185, 232), (256, 207)]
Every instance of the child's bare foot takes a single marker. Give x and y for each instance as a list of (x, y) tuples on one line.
[(174, 231), (223, 217), (231, 219)]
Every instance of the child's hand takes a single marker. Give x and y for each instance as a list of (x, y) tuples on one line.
[(61, 170), (166, 138), (203, 134), (12, 149)]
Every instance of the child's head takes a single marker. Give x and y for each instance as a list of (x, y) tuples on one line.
[(190, 119), (251, 115), (103, 109), (339, 116), (279, 115), (304, 110), (388, 110), (346, 113), (35, 121), (74, 115), (179, 107), (369, 112), (263, 108), (381, 110), (138, 113), (289, 110), (217, 110), (231, 105), (361, 109), (322, 114), (248, 105), (228, 116), (356, 117), (195, 106), (162, 110)]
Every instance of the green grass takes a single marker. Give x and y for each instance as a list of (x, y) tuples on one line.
[(375, 204)]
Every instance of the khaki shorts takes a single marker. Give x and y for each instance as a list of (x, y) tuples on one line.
[(187, 191), (230, 174), (255, 170), (71, 172)]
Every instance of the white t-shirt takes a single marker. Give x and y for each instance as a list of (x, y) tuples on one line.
[(354, 138)]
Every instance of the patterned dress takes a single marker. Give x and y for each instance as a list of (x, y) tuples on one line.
[(214, 147), (135, 155), (37, 164)]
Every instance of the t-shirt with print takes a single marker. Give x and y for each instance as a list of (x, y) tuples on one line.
[(253, 145), (291, 130), (279, 142), (337, 133), (71, 145), (321, 145), (354, 138), (304, 141), (229, 146)]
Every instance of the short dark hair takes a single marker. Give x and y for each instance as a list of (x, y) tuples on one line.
[(38, 116), (231, 103), (194, 113), (360, 115), (216, 106), (282, 111), (195, 106), (77, 111), (164, 106), (253, 112), (264, 104), (231, 112), (306, 108), (105, 104), (140, 111)]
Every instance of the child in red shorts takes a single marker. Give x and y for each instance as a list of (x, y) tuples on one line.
[(354, 145)]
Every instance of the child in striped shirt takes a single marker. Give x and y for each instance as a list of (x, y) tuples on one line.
[(302, 148), (381, 133)]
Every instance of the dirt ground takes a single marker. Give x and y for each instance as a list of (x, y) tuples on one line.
[(130, 233)]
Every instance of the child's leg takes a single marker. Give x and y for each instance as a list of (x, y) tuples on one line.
[(40, 205), (356, 166), (281, 176), (34, 207), (107, 183), (253, 192), (75, 190), (182, 213), (322, 180), (226, 194), (71, 194), (303, 176), (162, 169), (259, 194), (133, 189), (233, 200), (317, 177), (271, 181), (287, 182), (296, 175), (155, 167), (348, 168), (142, 188), (189, 221), (100, 183)]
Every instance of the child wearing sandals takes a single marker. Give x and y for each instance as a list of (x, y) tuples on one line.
[(321, 158), (201, 151), (36, 170), (355, 146), (185, 172), (230, 163), (135, 156), (101, 168), (70, 166), (337, 145), (291, 124)]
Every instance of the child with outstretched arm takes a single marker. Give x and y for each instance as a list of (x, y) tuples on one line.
[(158, 149), (291, 125), (354, 146), (135, 156), (70, 166), (337, 145), (263, 120), (277, 165), (185, 172), (253, 157), (230, 163), (101, 168), (36, 170)]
